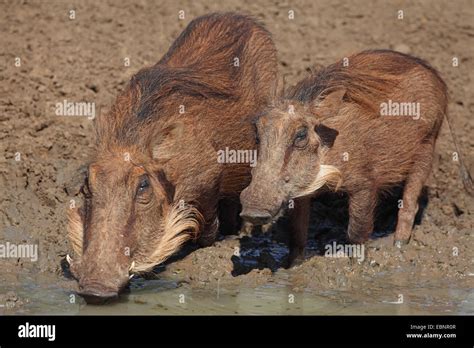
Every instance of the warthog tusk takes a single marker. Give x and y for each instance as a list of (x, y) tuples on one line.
[(130, 276), (132, 266), (69, 259)]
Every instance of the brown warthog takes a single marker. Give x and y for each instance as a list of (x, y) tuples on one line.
[(156, 180), (361, 125)]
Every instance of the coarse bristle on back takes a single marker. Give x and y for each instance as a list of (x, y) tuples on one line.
[(197, 69), (368, 78)]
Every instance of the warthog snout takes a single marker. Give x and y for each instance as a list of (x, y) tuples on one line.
[(259, 208), (97, 292), (256, 217)]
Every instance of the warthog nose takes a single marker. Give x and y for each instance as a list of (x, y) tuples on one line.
[(256, 217), (97, 293)]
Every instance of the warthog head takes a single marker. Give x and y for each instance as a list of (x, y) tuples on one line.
[(292, 146), (128, 224)]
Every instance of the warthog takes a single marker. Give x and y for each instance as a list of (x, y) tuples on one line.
[(156, 181), (334, 130)]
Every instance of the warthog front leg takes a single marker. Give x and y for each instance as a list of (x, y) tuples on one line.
[(299, 223)]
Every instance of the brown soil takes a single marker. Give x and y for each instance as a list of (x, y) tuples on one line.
[(83, 60)]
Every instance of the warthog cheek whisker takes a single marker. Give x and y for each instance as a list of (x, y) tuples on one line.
[(179, 225), (327, 175)]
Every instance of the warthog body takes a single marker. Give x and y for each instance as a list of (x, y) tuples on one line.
[(346, 128), (156, 180)]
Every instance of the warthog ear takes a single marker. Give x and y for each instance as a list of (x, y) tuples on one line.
[(326, 135), (330, 105), (167, 143)]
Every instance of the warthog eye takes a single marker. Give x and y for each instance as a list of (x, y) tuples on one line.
[(301, 138), (143, 184)]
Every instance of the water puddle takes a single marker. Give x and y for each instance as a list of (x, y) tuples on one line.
[(169, 297)]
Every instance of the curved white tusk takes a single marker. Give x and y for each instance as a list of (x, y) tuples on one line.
[(130, 276), (132, 266), (69, 259)]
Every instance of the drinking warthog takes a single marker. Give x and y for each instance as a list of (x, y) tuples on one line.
[(360, 128), (156, 181)]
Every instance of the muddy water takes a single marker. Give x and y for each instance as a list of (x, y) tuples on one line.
[(216, 280), (170, 297), (201, 281)]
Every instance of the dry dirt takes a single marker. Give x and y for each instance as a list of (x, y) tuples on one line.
[(82, 59)]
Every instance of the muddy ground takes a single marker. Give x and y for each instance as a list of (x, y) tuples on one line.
[(82, 59)]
